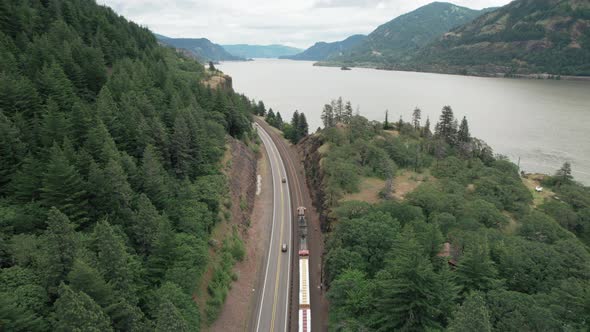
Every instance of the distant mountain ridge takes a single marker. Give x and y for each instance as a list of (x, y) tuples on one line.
[(323, 51), (201, 48), (408, 32), (261, 51), (523, 37)]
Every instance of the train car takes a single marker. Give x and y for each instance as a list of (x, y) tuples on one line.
[(304, 302), (304, 320)]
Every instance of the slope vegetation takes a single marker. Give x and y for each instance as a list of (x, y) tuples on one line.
[(110, 179), (526, 36)]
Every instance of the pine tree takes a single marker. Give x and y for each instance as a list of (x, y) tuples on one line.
[(261, 109), (463, 135), (426, 131), (338, 107), (328, 116), (55, 125), (76, 311), (60, 249), (154, 177), (473, 315), (85, 278), (146, 225), (181, 148), (347, 112), (564, 174), (302, 127), (106, 108), (446, 128), (386, 125), (476, 270), (278, 121), (400, 124), (270, 117), (109, 187), (63, 187), (12, 150), (169, 319), (416, 116), (412, 295), (100, 144), (55, 84), (295, 120)]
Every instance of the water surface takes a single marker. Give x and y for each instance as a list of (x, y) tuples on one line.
[(544, 123)]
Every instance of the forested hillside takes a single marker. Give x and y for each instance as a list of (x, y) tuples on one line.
[(201, 48), (403, 35), (109, 171), (525, 36), (451, 239)]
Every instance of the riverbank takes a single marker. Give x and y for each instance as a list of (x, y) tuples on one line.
[(460, 71)]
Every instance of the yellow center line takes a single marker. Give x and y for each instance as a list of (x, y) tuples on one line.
[(277, 277)]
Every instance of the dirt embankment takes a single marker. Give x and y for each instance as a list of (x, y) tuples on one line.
[(218, 80), (308, 149), (242, 182)]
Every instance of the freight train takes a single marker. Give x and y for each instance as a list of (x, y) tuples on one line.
[(304, 302)]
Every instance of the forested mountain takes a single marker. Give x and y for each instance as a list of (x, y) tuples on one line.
[(260, 51), (406, 33), (322, 50), (429, 231), (525, 36), (110, 177), (202, 48)]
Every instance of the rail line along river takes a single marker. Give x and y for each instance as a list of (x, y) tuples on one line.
[(542, 122)]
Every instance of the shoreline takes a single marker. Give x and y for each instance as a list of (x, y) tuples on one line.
[(534, 76)]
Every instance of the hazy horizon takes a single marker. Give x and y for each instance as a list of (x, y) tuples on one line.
[(296, 23)]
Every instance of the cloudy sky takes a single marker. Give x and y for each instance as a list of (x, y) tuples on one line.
[(297, 23)]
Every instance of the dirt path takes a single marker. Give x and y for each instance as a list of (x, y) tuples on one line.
[(239, 308)]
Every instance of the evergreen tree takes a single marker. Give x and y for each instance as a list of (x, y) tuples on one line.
[(63, 187), (473, 315), (426, 131), (261, 109), (12, 150), (169, 319), (564, 174), (386, 125), (400, 124), (295, 120), (328, 116), (181, 148), (60, 249), (446, 128), (278, 121), (347, 112), (110, 190), (76, 311), (113, 261), (154, 182), (476, 270), (412, 294), (416, 117), (302, 127), (463, 135), (85, 278), (146, 225), (270, 117)]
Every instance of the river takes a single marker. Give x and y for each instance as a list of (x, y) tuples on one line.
[(542, 122)]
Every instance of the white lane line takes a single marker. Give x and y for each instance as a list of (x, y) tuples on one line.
[(289, 221), (271, 233)]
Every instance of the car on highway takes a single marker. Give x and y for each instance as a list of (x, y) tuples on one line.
[(284, 180), (284, 247)]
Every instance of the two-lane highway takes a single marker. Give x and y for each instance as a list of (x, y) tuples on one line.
[(273, 304)]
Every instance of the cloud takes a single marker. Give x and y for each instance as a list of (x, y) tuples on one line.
[(298, 23)]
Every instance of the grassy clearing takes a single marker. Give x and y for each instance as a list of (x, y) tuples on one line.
[(531, 182), (369, 191), (407, 181)]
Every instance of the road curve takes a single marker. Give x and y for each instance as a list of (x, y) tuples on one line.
[(273, 303)]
